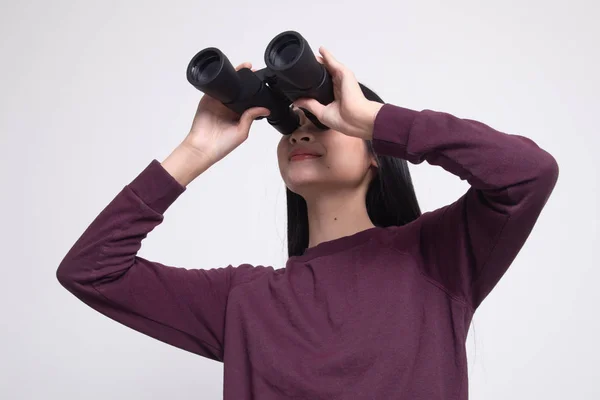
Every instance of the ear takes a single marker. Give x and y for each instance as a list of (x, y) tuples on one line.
[(373, 162), (373, 167)]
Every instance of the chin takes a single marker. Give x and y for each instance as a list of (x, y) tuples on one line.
[(305, 182), (304, 186)]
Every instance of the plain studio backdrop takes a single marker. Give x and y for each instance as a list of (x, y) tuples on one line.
[(92, 91)]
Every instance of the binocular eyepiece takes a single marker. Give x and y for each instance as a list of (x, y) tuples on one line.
[(292, 71)]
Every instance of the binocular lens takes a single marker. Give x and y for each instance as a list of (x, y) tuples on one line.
[(206, 68), (212, 73), (284, 51)]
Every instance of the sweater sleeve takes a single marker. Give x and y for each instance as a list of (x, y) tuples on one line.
[(467, 246), (182, 307)]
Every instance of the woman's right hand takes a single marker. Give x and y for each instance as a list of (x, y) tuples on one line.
[(216, 130)]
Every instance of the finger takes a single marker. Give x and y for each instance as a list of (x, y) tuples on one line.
[(330, 60), (320, 59), (250, 115), (246, 64), (311, 105)]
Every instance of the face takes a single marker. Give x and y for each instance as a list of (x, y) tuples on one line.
[(338, 162)]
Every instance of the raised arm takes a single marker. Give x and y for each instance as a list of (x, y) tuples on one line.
[(182, 307), (468, 245)]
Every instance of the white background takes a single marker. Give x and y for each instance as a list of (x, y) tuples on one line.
[(92, 91)]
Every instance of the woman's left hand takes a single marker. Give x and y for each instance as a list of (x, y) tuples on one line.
[(351, 112)]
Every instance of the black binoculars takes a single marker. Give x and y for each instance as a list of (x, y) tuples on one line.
[(292, 71)]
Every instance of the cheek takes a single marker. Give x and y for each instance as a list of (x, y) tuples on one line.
[(281, 152), (348, 162), (345, 169)]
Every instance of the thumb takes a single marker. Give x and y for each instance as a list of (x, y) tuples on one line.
[(250, 115), (311, 105)]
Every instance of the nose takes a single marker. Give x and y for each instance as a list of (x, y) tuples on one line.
[(301, 135)]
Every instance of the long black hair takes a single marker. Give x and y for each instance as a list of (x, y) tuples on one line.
[(390, 198)]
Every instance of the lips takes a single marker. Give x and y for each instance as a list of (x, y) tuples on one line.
[(303, 153), (299, 157)]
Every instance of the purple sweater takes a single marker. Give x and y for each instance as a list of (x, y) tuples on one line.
[(381, 314)]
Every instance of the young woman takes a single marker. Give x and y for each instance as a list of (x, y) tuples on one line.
[(375, 299)]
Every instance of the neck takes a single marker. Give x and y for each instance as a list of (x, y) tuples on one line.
[(338, 214)]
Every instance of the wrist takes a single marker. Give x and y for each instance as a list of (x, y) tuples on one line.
[(367, 118), (185, 164)]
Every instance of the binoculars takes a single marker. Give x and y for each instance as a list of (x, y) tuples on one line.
[(292, 71)]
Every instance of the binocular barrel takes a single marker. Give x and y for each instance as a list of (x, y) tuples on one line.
[(292, 71), (290, 57)]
